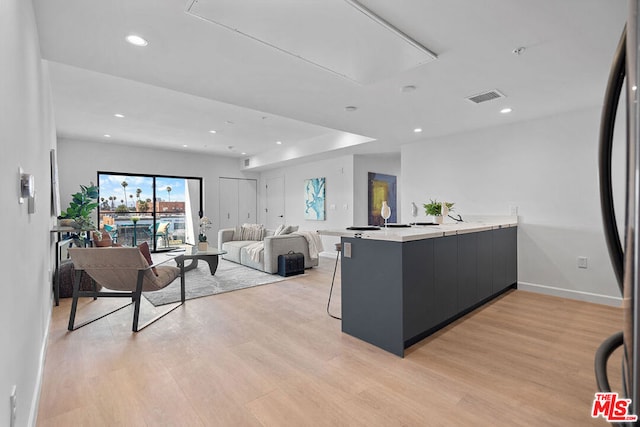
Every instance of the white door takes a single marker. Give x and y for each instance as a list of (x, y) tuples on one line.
[(247, 201), (228, 202), (275, 202)]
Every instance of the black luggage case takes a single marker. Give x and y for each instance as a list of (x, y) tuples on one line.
[(290, 264)]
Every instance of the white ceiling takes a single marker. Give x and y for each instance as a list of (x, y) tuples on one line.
[(195, 76)]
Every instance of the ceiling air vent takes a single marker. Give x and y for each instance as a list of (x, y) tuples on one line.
[(485, 96)]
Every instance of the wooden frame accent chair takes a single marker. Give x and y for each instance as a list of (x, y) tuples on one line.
[(127, 273)]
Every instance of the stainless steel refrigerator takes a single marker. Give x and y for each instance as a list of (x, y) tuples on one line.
[(623, 246)]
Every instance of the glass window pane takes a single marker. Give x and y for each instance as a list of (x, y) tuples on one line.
[(159, 210)]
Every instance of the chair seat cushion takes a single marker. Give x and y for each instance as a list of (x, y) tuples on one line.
[(165, 274)]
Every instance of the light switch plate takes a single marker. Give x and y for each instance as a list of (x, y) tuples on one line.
[(582, 262), (346, 250)]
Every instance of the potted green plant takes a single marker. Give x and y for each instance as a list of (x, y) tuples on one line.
[(80, 210), (434, 208)]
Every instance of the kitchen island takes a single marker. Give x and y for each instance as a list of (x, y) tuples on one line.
[(400, 285)]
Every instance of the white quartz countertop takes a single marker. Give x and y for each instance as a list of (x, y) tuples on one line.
[(419, 232)]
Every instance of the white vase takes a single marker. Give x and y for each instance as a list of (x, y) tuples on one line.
[(385, 212), (439, 219)]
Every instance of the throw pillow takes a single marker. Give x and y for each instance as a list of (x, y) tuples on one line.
[(252, 232), (290, 229), (146, 253), (101, 242), (237, 233), (278, 230)]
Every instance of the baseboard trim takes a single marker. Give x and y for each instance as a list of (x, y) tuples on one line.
[(35, 401), (571, 294)]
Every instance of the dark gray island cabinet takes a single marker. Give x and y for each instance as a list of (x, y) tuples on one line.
[(395, 293)]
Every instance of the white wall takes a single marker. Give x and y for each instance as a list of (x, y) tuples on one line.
[(338, 197), (363, 164), (27, 133), (78, 162), (548, 169)]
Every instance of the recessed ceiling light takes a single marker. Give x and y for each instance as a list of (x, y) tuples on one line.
[(417, 130), (118, 115), (185, 145), (136, 40), (212, 131), (279, 142), (106, 135), (506, 110), (634, 88), (350, 108), (243, 153)]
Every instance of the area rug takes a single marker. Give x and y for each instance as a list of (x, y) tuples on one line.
[(200, 283)]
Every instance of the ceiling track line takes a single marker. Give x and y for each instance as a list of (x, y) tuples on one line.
[(295, 55), (355, 4), (386, 24)]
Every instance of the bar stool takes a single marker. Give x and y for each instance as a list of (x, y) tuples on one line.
[(335, 268)]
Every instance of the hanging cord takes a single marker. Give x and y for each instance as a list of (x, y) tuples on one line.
[(335, 268)]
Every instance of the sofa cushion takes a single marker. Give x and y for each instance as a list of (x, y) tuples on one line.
[(233, 248), (248, 261)]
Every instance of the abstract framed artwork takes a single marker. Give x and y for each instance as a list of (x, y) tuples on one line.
[(314, 193), (381, 188)]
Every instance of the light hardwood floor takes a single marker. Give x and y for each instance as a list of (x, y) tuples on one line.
[(271, 356)]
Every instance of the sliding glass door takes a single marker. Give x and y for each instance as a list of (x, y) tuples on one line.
[(160, 210)]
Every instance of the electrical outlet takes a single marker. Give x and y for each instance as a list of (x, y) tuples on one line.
[(582, 262), (513, 210), (13, 402)]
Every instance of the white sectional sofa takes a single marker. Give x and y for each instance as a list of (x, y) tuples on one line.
[(264, 257)]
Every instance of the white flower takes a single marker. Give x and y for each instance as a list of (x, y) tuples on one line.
[(205, 224)]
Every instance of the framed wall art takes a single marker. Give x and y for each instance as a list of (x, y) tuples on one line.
[(314, 193), (381, 188)]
